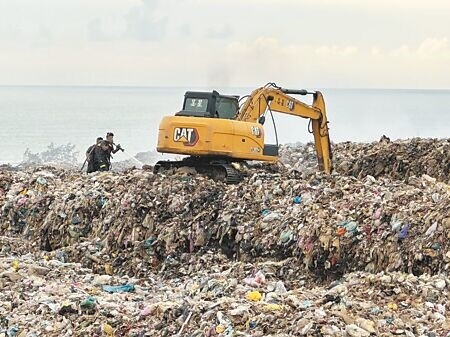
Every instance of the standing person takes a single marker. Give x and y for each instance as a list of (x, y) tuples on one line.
[(111, 145), (101, 156), (90, 155), (110, 140)]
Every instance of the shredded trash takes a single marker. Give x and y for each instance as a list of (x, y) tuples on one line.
[(287, 252)]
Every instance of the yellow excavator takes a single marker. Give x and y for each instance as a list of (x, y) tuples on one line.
[(215, 132)]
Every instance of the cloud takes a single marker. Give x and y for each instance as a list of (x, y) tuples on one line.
[(151, 3), (337, 65), (185, 30), (434, 47), (402, 51), (335, 51), (221, 32), (196, 42), (266, 51), (337, 3), (95, 30), (44, 37), (144, 24), (428, 49)]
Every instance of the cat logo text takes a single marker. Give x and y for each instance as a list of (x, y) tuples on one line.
[(187, 136)]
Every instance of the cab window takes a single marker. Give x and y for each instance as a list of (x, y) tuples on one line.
[(226, 108), (196, 104)]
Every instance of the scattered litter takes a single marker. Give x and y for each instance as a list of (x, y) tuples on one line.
[(289, 251)]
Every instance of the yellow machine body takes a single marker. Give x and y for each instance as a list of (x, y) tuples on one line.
[(213, 130), (196, 136)]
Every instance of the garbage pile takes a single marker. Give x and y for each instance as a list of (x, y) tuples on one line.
[(398, 160), (42, 296), (136, 222), (288, 251)]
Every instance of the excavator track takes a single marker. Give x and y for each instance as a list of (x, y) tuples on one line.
[(233, 176), (215, 169)]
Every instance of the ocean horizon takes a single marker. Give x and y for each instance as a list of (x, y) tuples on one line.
[(32, 117)]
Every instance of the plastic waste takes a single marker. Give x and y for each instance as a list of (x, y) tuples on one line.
[(280, 288), (436, 246), (366, 324), (396, 226), (273, 307), (341, 231), (67, 307), (375, 310), (220, 328), (347, 228), (108, 330), (392, 306), (13, 331), (351, 227), (253, 296), (15, 265), (225, 323), (440, 284), (76, 220), (353, 330), (306, 304), (430, 231), (265, 212), (41, 181), (271, 217), (108, 269), (404, 232), (257, 280), (286, 236), (89, 303), (126, 288)]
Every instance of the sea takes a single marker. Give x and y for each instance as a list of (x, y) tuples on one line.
[(34, 118)]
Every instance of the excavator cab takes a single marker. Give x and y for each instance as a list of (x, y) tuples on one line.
[(209, 104)]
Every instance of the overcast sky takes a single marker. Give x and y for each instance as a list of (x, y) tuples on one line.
[(245, 43)]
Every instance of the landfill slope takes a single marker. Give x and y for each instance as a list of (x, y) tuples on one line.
[(167, 234), (398, 160), (137, 221)]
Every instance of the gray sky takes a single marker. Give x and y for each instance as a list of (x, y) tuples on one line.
[(302, 43)]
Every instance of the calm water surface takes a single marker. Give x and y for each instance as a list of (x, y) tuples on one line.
[(34, 117)]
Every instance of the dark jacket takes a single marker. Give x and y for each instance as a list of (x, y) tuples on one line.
[(90, 158), (110, 149), (101, 159)]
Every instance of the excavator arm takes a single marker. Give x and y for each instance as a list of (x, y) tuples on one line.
[(278, 99)]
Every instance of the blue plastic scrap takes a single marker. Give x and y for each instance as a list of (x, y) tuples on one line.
[(126, 288), (12, 331), (265, 212), (404, 232)]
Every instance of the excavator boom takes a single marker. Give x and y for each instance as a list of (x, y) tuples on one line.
[(278, 99)]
